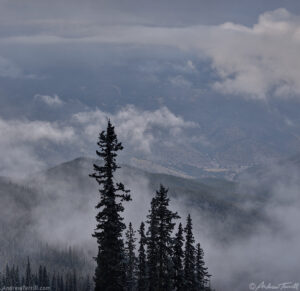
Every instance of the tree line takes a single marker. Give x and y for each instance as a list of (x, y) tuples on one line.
[(160, 260), (12, 279)]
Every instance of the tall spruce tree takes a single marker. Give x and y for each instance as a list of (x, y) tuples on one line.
[(131, 258), (17, 281), (189, 257), (161, 240), (202, 275), (109, 273), (178, 260), (28, 275), (7, 281), (142, 263), (152, 248)]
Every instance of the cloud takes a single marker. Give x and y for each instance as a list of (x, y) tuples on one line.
[(51, 101), (27, 146), (140, 129), (9, 70), (24, 144), (258, 62)]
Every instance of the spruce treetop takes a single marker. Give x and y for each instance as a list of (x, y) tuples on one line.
[(110, 271)]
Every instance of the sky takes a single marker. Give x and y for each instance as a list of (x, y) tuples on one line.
[(211, 72)]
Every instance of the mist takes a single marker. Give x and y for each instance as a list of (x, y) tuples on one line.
[(64, 215)]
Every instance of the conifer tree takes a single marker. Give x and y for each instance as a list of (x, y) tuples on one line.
[(202, 275), (131, 258), (160, 240), (46, 282), (7, 276), (12, 276), (28, 275), (178, 260), (189, 257), (142, 264), (109, 273), (152, 249)]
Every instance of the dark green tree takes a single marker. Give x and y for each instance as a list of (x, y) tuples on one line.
[(7, 276), (160, 240), (46, 280), (109, 273), (130, 258), (189, 257), (202, 275), (28, 275), (152, 248), (142, 263), (178, 260)]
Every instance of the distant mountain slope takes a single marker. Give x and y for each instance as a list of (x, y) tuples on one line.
[(57, 206)]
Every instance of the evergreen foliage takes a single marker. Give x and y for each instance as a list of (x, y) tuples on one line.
[(110, 272), (131, 259), (160, 239), (189, 257), (152, 248), (142, 262), (202, 275), (67, 281), (178, 257)]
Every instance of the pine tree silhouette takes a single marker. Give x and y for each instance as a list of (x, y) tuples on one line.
[(28, 275), (189, 257), (178, 260), (110, 273), (202, 275), (142, 263), (131, 258), (160, 242)]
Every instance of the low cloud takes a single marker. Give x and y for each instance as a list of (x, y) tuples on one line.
[(26, 146), (140, 129), (9, 70), (49, 100)]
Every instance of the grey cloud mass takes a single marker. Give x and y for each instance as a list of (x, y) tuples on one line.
[(259, 61), (31, 144)]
